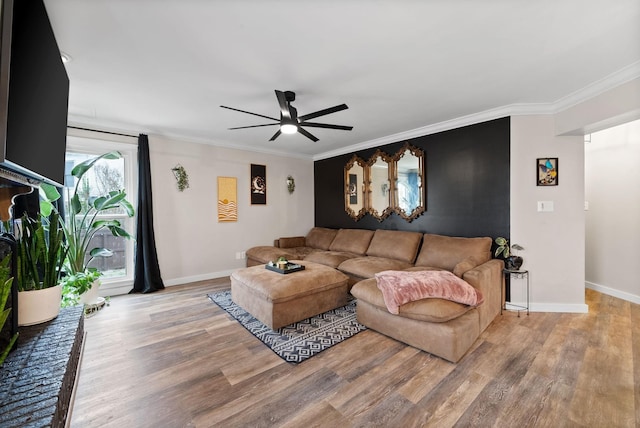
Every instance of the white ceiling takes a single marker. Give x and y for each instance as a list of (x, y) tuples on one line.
[(164, 67)]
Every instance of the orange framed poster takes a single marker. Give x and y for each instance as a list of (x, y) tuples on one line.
[(227, 199)]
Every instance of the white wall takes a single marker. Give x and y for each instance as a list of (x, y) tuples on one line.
[(553, 241), (612, 180), (191, 244)]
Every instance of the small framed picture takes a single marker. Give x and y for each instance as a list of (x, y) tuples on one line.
[(547, 170), (258, 184)]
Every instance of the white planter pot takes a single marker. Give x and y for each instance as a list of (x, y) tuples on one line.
[(38, 306), (91, 296)]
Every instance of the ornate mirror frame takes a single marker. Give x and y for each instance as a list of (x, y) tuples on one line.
[(417, 194), (355, 179), (379, 188)]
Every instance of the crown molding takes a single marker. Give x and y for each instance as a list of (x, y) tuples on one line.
[(592, 90), (495, 113), (599, 87), (106, 126), (615, 79)]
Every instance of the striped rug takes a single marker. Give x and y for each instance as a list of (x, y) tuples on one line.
[(302, 340)]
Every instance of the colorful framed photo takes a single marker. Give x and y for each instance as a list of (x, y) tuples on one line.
[(258, 184), (547, 170)]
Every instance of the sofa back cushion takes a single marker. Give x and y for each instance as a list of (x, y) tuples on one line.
[(354, 241), (445, 252), (394, 244), (291, 242), (320, 238)]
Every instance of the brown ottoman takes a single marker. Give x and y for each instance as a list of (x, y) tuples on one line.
[(277, 299)]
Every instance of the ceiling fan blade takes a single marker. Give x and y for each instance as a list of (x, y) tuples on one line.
[(326, 125), (323, 112), (284, 105), (276, 135), (307, 134), (248, 112), (253, 126)]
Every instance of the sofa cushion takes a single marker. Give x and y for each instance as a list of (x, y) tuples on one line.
[(445, 252), (265, 254), (294, 241), (429, 310), (464, 266), (320, 238), (352, 241), (329, 258), (367, 267), (394, 244)]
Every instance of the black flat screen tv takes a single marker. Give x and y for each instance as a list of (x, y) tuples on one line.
[(34, 93)]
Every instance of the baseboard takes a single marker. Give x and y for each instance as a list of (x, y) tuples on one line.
[(613, 292), (196, 278), (117, 290), (572, 308)]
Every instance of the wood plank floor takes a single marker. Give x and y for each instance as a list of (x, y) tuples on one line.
[(175, 359)]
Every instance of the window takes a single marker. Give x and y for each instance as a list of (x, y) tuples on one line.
[(104, 176)]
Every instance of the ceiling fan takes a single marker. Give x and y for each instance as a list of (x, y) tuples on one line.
[(290, 122)]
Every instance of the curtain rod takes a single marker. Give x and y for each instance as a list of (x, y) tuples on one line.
[(102, 132)]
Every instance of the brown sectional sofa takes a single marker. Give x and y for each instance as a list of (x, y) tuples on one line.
[(440, 327)]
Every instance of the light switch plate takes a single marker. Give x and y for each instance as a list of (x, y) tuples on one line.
[(545, 206)]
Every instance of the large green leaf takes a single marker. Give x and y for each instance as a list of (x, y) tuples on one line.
[(128, 207), (118, 231), (100, 252), (48, 195), (50, 192), (3, 316), (107, 202), (79, 170)]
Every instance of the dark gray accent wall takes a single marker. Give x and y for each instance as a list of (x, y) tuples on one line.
[(467, 184)]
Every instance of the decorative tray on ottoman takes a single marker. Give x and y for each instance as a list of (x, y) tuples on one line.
[(290, 268)]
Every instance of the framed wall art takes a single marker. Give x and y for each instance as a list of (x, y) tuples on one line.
[(547, 170), (227, 199), (258, 184)]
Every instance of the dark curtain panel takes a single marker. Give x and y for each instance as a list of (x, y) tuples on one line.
[(147, 277)]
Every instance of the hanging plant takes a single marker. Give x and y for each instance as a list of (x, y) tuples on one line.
[(291, 184), (181, 177)]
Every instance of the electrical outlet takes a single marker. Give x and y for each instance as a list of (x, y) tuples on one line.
[(243, 255)]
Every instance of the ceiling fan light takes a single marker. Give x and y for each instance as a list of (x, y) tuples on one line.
[(288, 128)]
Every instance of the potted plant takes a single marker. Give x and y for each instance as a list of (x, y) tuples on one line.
[(5, 290), (81, 285), (82, 224), (41, 254), (512, 260)]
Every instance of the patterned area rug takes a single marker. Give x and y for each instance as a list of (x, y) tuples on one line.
[(299, 341)]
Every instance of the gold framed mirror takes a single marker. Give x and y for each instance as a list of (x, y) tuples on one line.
[(379, 186), (409, 182), (354, 188)]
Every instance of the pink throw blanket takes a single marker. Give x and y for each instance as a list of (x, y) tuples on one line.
[(399, 288)]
